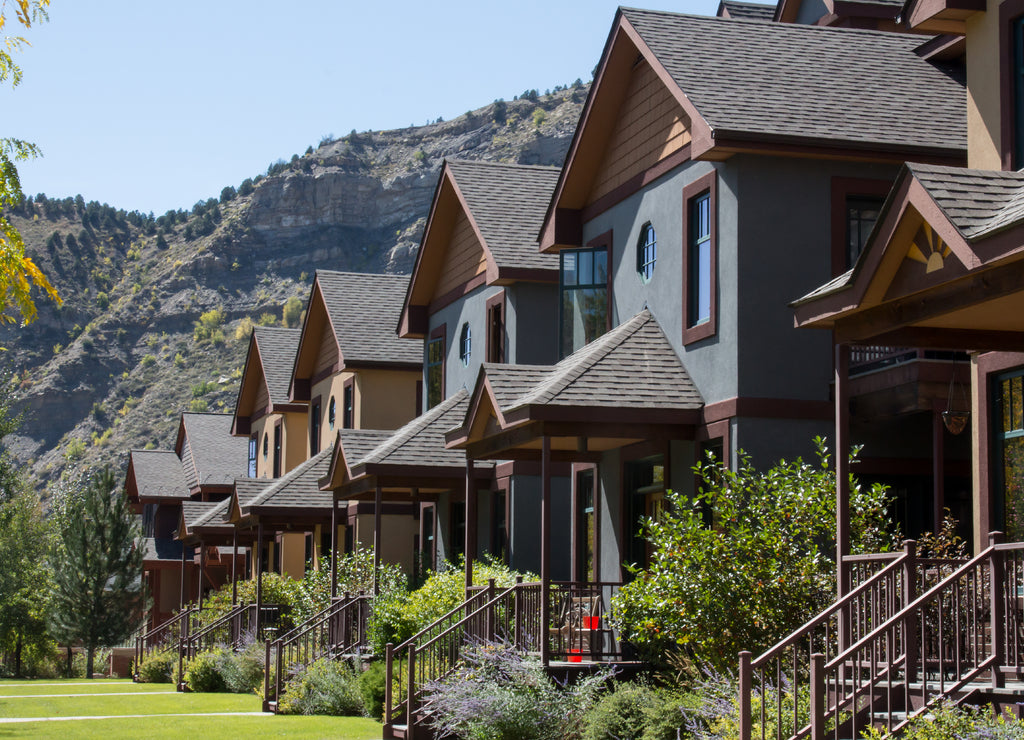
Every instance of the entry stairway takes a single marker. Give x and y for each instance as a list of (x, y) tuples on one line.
[(912, 632)]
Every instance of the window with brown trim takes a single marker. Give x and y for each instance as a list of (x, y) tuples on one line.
[(314, 427), (855, 207), (277, 450), (584, 286), (700, 261), (435, 367), (495, 350), (1011, 88), (348, 404), (254, 445)]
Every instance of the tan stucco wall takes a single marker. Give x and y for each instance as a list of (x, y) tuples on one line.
[(296, 446), (983, 104), (327, 388), (397, 534), (265, 425), (385, 399), (293, 554)]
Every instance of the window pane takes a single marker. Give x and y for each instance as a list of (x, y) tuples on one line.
[(1016, 410), (601, 266), (568, 268), (586, 267), (703, 312)]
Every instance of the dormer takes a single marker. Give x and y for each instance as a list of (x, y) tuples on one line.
[(210, 456)]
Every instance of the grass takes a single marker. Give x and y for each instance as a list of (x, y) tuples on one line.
[(135, 711)]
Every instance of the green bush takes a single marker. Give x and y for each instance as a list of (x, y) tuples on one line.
[(158, 668), (371, 688), (634, 710), (203, 672), (948, 721), (325, 687), (243, 671)]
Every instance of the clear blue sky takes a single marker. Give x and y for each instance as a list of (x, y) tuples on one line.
[(155, 105)]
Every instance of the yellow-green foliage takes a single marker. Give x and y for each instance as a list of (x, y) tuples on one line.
[(208, 328)]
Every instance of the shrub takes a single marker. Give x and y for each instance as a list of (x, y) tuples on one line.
[(203, 672), (634, 710), (244, 329), (325, 687), (291, 315), (148, 360), (208, 326), (243, 671), (198, 406), (371, 688), (498, 692), (950, 721), (158, 667), (764, 568)]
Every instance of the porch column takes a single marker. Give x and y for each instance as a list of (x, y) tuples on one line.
[(938, 470), (470, 528), (234, 566), (842, 452), (378, 503), (334, 545), (202, 573), (545, 548), (181, 594), (259, 576)]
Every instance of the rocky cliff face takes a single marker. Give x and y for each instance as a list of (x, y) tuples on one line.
[(157, 311)]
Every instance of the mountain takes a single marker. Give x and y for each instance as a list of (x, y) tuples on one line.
[(157, 310)]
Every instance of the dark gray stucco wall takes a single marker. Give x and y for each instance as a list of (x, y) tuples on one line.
[(531, 323), (784, 246), (610, 545), (711, 363), (471, 309)]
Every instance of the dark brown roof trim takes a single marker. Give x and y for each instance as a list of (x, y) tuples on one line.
[(732, 142)]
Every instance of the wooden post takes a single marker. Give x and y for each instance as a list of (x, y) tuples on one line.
[(266, 676), (202, 573), (996, 608), (470, 527), (817, 696), (910, 644), (842, 452), (745, 678), (259, 578), (410, 712), (378, 505), (938, 470), (181, 595), (334, 545), (545, 549), (234, 566), (388, 668)]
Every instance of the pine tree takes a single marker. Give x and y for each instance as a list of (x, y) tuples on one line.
[(97, 566)]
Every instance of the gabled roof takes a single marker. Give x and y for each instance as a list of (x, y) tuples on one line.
[(504, 204), (751, 11), (268, 367), (160, 550), (629, 376), (193, 513), (296, 489), (210, 456), (746, 85), (351, 446), (943, 266), (155, 475), (361, 309)]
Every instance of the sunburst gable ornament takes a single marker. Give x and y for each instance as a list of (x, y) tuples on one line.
[(928, 249)]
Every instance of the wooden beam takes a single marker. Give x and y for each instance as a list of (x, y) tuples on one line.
[(952, 339), (470, 528)]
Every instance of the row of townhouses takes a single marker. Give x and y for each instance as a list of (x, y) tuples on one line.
[(781, 222)]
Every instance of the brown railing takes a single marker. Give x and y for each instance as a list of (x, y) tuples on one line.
[(896, 653), (164, 636), (242, 624), (338, 630), (578, 630)]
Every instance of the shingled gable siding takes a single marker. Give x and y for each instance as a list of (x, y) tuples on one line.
[(650, 127), (327, 355), (464, 259)]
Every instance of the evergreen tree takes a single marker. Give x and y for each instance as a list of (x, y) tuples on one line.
[(97, 566)]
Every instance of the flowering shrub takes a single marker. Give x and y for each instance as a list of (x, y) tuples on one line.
[(949, 722), (498, 693), (325, 687)]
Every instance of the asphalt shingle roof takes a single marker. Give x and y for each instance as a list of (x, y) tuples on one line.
[(277, 348), (631, 366), (421, 441), (753, 11), (978, 202), (246, 489), (508, 203), (161, 548), (364, 310), (358, 443), (750, 79), (194, 512), (210, 456), (216, 514), (298, 488), (158, 473)]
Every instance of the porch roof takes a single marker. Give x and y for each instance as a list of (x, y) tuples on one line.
[(413, 458), (627, 386), (942, 268), (160, 550), (294, 494)]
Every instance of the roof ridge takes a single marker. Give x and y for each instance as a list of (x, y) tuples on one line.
[(456, 162), (595, 352)]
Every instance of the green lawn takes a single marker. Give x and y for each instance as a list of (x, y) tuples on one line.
[(145, 711)]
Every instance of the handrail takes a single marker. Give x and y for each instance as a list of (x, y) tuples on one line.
[(147, 642), (327, 632), (447, 615)]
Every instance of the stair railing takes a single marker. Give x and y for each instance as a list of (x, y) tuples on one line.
[(163, 636), (787, 664), (336, 630)]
